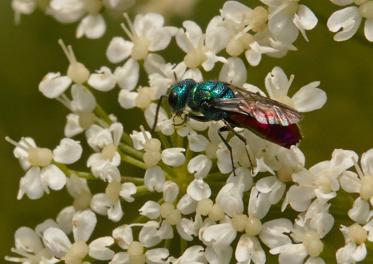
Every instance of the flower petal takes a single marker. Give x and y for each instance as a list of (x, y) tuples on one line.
[(53, 85), (309, 98), (92, 26), (68, 151), (119, 49), (84, 224)]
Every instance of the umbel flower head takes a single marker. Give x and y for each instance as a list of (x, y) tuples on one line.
[(201, 193)]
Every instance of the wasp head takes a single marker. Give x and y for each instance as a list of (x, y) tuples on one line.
[(177, 98)]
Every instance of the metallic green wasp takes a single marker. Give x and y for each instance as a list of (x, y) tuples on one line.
[(236, 107)]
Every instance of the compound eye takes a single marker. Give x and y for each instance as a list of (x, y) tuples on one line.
[(172, 99)]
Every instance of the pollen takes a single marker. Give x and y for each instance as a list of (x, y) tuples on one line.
[(41, 157)]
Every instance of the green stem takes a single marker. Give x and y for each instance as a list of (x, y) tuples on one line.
[(216, 176), (164, 140), (131, 151), (179, 141), (133, 161), (68, 172), (142, 190), (133, 180)]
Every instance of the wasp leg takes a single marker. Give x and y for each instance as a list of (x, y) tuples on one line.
[(223, 129), (157, 113), (243, 139)]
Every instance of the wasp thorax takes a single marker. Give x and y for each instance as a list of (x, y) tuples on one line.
[(76, 253), (140, 48), (259, 19), (93, 6), (86, 119), (366, 9), (109, 151), (40, 157), (194, 58), (112, 190)]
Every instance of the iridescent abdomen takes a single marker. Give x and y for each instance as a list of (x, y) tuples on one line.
[(206, 92)]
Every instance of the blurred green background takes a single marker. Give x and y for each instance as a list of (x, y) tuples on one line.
[(30, 50)]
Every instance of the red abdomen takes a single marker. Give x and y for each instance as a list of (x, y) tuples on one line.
[(285, 136)]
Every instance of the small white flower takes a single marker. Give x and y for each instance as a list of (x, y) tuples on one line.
[(53, 85), (29, 247), (162, 75), (360, 183), (200, 48), (103, 80), (23, 7), (83, 225), (346, 21), (105, 141), (92, 26), (109, 203), (287, 18), (41, 173), (308, 98), (355, 249)]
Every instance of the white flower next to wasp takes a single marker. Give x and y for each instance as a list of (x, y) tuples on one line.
[(147, 34), (361, 183), (240, 19), (42, 174), (105, 142), (287, 18), (347, 20), (162, 75), (84, 224), (200, 48), (308, 98)]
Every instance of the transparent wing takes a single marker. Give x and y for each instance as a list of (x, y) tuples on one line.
[(263, 109)]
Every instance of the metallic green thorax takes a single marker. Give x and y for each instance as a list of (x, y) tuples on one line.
[(195, 95)]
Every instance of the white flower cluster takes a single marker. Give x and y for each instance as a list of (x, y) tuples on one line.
[(191, 207), (88, 12)]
